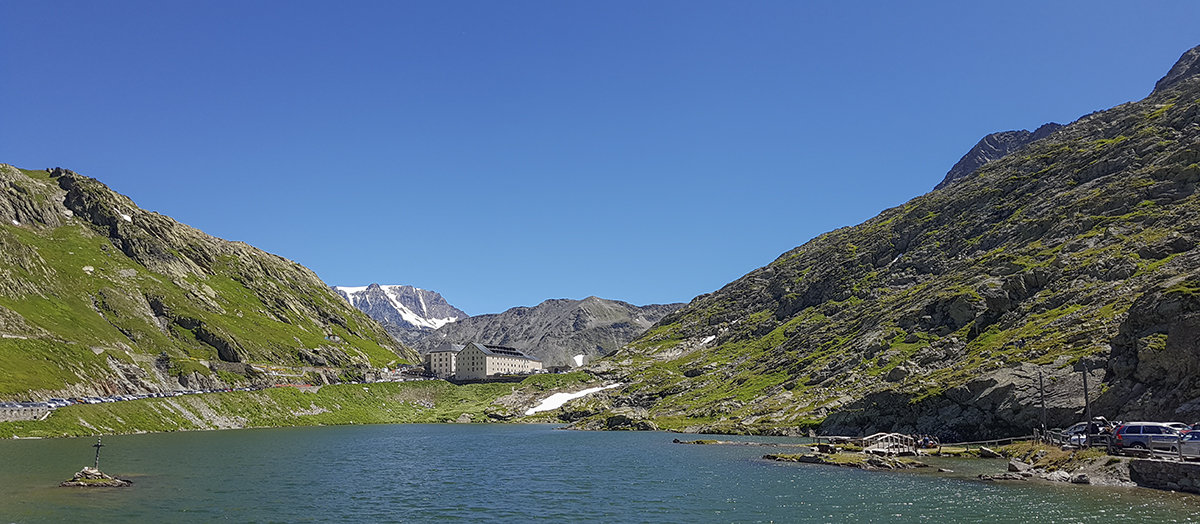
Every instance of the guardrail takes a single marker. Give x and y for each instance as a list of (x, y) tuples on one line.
[(985, 443)]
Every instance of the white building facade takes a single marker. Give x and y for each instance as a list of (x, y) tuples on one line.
[(443, 361), (477, 361)]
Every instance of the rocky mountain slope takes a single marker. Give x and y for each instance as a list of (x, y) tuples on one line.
[(556, 330), (407, 313), (994, 147), (1074, 252), (99, 296)]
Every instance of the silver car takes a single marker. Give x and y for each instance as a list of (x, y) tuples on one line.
[(1189, 444)]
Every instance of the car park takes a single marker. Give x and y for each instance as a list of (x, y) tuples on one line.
[(1145, 435)]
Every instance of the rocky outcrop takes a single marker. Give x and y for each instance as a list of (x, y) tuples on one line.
[(89, 477), (555, 331), (1186, 67)]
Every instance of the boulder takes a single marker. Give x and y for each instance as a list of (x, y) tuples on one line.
[(1058, 476), (1017, 466), (988, 453)]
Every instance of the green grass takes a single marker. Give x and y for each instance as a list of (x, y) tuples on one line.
[(381, 403)]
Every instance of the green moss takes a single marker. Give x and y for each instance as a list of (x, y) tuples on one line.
[(1160, 111)]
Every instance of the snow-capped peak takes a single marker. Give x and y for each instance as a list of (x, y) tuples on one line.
[(401, 307)]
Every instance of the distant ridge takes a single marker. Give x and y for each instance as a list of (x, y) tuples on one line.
[(555, 331)]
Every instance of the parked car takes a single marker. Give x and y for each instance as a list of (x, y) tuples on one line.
[(1146, 435), (1076, 429), (1076, 434), (1189, 444), (1179, 426)]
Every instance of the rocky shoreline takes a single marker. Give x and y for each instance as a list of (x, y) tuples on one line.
[(1026, 461)]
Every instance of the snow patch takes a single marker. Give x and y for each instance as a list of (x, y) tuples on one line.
[(578, 360), (557, 400), (15, 223), (708, 339), (126, 218), (350, 291), (88, 269)]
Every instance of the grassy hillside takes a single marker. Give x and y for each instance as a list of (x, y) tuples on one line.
[(431, 401), (98, 296)]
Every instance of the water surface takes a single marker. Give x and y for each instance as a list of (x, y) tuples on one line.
[(421, 473)]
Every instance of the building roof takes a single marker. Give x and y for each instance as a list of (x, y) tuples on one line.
[(502, 351), (447, 347)]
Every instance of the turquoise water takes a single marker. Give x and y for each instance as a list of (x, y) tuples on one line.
[(514, 473)]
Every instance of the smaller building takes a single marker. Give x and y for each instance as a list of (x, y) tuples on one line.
[(442, 362), (478, 361)]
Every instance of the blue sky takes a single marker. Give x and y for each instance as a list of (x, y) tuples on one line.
[(503, 153)]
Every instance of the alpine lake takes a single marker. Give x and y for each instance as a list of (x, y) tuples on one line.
[(519, 473)]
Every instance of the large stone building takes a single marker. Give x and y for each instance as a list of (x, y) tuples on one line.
[(441, 361), (477, 361)]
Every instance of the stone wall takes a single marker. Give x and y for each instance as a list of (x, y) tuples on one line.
[(12, 414), (1164, 474)]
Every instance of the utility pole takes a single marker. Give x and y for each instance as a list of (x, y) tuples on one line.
[(1042, 392), (1087, 404), (97, 445)]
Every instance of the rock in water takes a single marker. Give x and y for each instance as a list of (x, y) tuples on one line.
[(89, 477), (1017, 466)]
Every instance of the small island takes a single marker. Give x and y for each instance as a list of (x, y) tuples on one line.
[(90, 477)]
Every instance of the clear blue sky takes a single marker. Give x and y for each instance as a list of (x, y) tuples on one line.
[(507, 152)]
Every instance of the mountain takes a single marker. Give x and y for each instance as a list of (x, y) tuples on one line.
[(1072, 254), (555, 331), (406, 312), (994, 147), (99, 296)]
